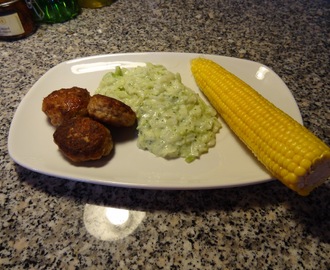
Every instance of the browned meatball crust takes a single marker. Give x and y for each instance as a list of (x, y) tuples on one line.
[(65, 103), (82, 138), (111, 111)]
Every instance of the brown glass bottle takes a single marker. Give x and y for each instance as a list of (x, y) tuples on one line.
[(94, 3), (16, 20)]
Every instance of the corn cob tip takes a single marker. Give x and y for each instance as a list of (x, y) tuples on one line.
[(318, 173), (290, 152)]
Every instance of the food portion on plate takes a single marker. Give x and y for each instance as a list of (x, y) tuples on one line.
[(173, 120), (83, 122), (293, 154), (82, 139), (65, 103), (110, 111)]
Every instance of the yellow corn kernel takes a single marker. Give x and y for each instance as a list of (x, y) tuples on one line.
[(287, 149)]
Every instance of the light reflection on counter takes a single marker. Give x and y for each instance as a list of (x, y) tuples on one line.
[(110, 224)]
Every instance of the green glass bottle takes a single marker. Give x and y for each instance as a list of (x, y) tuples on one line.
[(55, 11)]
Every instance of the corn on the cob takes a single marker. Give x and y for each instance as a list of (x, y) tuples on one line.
[(287, 149)]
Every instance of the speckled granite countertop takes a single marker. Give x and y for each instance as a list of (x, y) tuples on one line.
[(51, 223)]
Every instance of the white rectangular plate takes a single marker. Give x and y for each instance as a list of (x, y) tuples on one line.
[(228, 164)]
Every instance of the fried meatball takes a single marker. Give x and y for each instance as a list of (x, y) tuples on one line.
[(111, 111), (65, 103), (82, 138)]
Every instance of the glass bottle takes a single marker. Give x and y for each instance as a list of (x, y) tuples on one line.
[(94, 3), (55, 11)]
